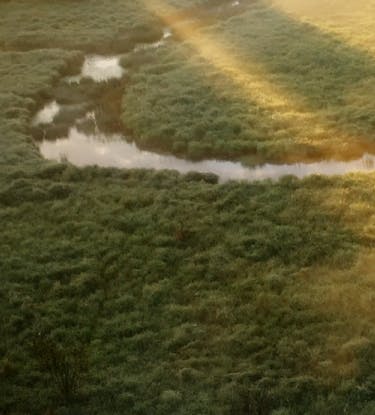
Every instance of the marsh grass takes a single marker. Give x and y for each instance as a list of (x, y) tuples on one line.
[(222, 310), (261, 84), (26, 81), (91, 25), (188, 297)]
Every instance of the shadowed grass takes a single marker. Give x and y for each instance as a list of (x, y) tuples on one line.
[(90, 25), (198, 305)]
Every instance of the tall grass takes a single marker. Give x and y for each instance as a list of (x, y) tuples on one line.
[(261, 84), (90, 25), (132, 291), (262, 294)]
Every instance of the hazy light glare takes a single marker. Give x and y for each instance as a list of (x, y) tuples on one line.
[(253, 82), (353, 21)]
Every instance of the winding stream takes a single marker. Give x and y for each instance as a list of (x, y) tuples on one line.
[(113, 150), (82, 149)]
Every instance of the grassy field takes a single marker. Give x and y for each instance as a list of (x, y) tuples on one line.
[(337, 17), (247, 300), (87, 25), (90, 25), (263, 84), (147, 292)]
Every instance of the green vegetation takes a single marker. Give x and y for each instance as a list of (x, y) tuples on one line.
[(147, 292), (25, 81), (262, 85), (87, 25), (181, 312)]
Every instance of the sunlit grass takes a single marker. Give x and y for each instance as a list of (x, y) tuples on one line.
[(256, 81), (346, 297), (192, 297), (352, 21)]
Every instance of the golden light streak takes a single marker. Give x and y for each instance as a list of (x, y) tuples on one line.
[(251, 81), (352, 21)]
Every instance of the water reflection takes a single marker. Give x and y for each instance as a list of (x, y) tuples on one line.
[(47, 114), (99, 68), (112, 151), (102, 68), (166, 34)]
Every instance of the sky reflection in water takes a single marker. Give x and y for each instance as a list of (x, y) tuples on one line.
[(47, 114), (113, 151)]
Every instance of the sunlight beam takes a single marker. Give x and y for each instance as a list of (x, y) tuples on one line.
[(251, 81)]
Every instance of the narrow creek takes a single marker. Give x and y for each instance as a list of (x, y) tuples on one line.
[(84, 142), (111, 150)]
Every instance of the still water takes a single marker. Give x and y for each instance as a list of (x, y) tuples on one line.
[(166, 34), (112, 150), (101, 68), (104, 150), (47, 114)]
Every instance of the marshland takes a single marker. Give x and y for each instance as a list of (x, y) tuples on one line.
[(187, 207)]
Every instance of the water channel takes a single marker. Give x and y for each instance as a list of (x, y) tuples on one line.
[(115, 150)]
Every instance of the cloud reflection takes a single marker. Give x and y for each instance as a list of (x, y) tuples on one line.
[(113, 151)]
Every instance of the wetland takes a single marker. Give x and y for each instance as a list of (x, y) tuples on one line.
[(187, 207)]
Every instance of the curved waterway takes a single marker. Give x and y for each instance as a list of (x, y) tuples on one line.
[(101, 68), (111, 150)]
